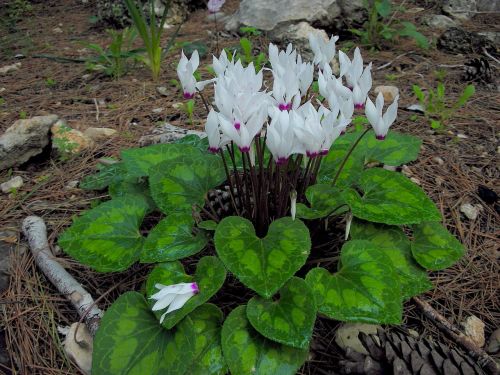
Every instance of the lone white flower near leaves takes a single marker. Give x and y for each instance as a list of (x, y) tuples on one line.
[(173, 296), (185, 72), (379, 122)]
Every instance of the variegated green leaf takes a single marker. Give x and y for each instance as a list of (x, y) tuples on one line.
[(365, 289), (171, 239), (210, 275), (324, 199), (396, 149), (392, 241), (139, 161), (390, 198), (106, 175), (247, 352), (131, 341), (434, 247), (107, 237), (208, 359), (288, 320), (180, 184), (262, 264)]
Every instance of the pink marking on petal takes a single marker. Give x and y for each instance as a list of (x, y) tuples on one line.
[(342, 132), (281, 160), (283, 107), (237, 125), (323, 152), (289, 106), (244, 149), (312, 154), (195, 288), (188, 95), (380, 137), (359, 105), (213, 150)]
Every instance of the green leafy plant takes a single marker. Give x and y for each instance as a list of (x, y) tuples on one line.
[(437, 108), (244, 52), (15, 10), (188, 107), (114, 60), (64, 145), (50, 82), (254, 219), (150, 34), (383, 25), (250, 31)]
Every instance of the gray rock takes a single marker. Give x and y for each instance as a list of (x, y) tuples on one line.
[(440, 21), (494, 342), (267, 15), (456, 40), (493, 36), (12, 184), (298, 35), (166, 134), (488, 5), (347, 335), (9, 68), (460, 9), (24, 139), (474, 328)]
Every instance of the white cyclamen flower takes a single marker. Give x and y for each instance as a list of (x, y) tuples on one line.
[(173, 296), (379, 122), (351, 70), (362, 87), (310, 132), (185, 71), (215, 139), (324, 51), (281, 139)]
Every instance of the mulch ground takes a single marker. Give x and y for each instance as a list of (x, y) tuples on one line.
[(31, 310)]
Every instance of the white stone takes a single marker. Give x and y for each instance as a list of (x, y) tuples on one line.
[(267, 15), (390, 167), (57, 30), (68, 140), (474, 328), (460, 9), (462, 136), (162, 90), (12, 184), (166, 134), (24, 139), (72, 184), (347, 335), (97, 134), (440, 21), (438, 160), (9, 68), (157, 110), (469, 211), (389, 92), (79, 350)]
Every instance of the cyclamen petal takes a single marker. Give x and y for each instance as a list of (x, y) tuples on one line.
[(381, 123), (173, 296)]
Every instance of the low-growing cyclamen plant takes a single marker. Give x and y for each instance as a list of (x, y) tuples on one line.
[(283, 169)]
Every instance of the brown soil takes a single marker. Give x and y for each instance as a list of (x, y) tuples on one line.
[(31, 309)]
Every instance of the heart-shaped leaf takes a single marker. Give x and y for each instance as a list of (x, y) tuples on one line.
[(139, 161), (324, 199), (106, 175), (263, 265), (396, 149), (131, 341), (180, 184), (247, 352), (207, 225), (365, 289), (434, 247), (392, 241), (107, 238), (210, 275), (208, 359), (331, 163), (390, 198), (289, 320), (171, 239)]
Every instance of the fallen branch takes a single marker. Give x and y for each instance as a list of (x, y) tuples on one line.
[(483, 359), (35, 231)]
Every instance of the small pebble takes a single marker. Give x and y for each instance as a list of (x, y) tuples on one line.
[(494, 342), (389, 92), (390, 167), (469, 211), (474, 328), (72, 184), (57, 30), (162, 90), (462, 136), (438, 160), (177, 105), (439, 180), (10, 68), (157, 110), (12, 184)]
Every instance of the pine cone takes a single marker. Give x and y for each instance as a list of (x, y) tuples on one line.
[(401, 354), (478, 70), (221, 202)]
